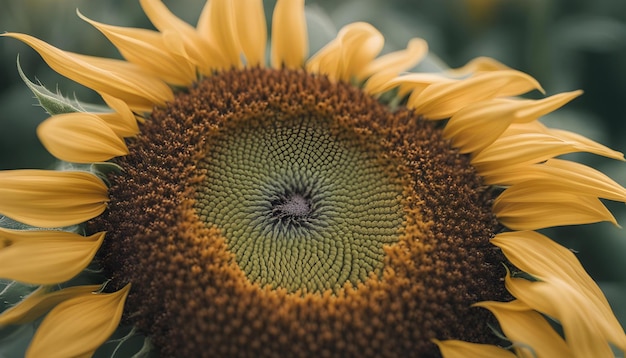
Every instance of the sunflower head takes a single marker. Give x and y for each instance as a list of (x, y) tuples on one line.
[(332, 205)]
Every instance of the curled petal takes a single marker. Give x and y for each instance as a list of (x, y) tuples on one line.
[(122, 121), (39, 302), (46, 257), (442, 100), (476, 126), (217, 24), (349, 54), (289, 34), (539, 256), (147, 49), (360, 43), (460, 349), (585, 334), (51, 199), (399, 61), (387, 67), (530, 333), (523, 207), (80, 138), (326, 60), (182, 38), (78, 326), (117, 78)]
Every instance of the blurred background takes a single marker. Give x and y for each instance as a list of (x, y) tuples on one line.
[(565, 44)]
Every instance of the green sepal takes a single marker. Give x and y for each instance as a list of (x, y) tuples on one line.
[(99, 169), (103, 169), (106, 168), (53, 103), (56, 103), (8, 223)]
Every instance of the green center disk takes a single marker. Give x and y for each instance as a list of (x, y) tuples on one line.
[(303, 203)]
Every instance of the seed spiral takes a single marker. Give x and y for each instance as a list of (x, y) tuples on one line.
[(303, 202)]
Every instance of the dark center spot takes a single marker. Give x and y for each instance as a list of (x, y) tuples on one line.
[(293, 206)]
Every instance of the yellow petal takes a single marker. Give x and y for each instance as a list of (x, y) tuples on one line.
[(80, 138), (529, 207), (147, 49), (585, 334), (538, 255), (477, 65), (360, 44), (182, 38), (538, 108), (122, 121), (413, 83), (175, 43), (137, 76), (46, 257), (51, 199), (521, 145), (399, 61), (476, 126), (442, 100), (564, 176), (590, 146), (460, 349), (574, 139), (217, 24), (541, 257), (114, 77), (290, 42), (530, 333), (252, 30), (79, 325), (390, 65), (349, 54), (39, 302), (326, 60)]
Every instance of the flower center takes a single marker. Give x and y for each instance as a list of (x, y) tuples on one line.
[(303, 202), (273, 212)]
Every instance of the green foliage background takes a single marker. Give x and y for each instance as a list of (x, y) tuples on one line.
[(565, 44)]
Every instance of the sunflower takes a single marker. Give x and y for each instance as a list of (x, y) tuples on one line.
[(223, 204)]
